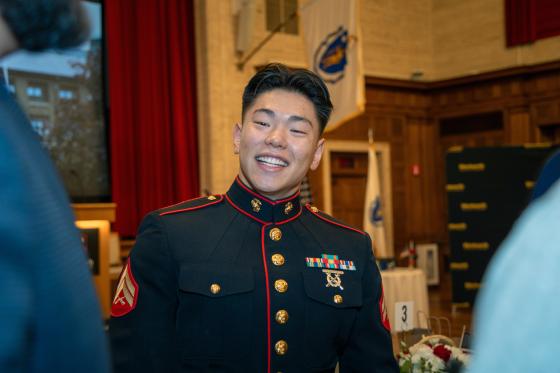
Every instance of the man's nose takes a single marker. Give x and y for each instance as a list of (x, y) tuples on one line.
[(277, 137)]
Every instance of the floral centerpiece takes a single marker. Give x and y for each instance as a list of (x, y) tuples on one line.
[(433, 354)]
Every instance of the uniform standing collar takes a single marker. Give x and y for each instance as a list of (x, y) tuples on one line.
[(261, 208)]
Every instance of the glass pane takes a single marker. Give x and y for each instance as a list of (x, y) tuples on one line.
[(290, 6), (273, 15), (62, 93)]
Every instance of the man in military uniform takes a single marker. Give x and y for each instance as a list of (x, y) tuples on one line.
[(252, 281)]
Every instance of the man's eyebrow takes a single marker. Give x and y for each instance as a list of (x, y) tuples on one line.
[(266, 111), (297, 118)]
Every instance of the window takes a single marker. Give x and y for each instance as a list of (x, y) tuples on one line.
[(278, 12), (37, 91), (62, 94), (39, 125), (67, 94)]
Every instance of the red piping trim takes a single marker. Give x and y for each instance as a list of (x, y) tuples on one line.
[(290, 219), (187, 200), (220, 199), (335, 223), (257, 219), (244, 212), (263, 229), (262, 197)]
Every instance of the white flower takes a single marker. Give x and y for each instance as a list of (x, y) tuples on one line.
[(403, 360), (435, 363), (419, 347), (458, 354), (422, 359)]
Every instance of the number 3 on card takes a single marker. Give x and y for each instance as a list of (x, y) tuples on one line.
[(404, 316)]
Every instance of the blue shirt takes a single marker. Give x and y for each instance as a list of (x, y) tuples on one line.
[(517, 313), (50, 319)]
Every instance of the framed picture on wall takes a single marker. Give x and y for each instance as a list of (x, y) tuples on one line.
[(95, 241), (428, 262)]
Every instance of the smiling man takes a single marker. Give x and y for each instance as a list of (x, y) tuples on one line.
[(278, 142), (252, 281)]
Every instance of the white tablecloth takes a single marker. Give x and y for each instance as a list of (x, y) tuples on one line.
[(402, 285)]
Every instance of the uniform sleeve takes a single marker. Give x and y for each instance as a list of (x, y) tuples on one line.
[(143, 313), (369, 348)]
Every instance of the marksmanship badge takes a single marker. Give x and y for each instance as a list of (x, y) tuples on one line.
[(333, 278)]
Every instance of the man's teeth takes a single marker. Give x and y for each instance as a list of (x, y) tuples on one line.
[(272, 161)]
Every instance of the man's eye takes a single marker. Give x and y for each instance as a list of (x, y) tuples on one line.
[(264, 124), (298, 132)]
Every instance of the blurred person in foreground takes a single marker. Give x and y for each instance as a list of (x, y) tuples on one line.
[(251, 280), (547, 177), (517, 327), (50, 318)]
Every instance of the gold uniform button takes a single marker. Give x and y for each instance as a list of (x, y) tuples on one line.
[(282, 316), (281, 286), (281, 347), (337, 299), (211, 198), (278, 259), (275, 234), (314, 209), (215, 288)]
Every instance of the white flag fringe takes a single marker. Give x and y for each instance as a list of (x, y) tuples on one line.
[(373, 210), (333, 41)]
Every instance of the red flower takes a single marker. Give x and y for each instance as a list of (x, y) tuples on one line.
[(442, 352)]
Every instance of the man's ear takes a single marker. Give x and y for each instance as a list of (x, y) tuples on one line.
[(236, 137), (317, 155)]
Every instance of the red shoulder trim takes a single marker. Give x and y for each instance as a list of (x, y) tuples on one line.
[(308, 206), (218, 198)]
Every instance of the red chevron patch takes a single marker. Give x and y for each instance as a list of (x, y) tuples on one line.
[(126, 294)]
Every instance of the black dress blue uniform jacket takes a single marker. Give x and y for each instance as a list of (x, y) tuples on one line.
[(239, 283)]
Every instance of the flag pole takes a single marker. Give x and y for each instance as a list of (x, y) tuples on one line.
[(370, 143)]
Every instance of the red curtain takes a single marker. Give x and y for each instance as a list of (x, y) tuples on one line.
[(152, 100), (530, 20), (520, 22), (547, 18)]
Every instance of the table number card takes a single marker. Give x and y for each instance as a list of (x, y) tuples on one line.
[(404, 316)]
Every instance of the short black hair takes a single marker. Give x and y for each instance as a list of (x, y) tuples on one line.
[(302, 81), (46, 24)]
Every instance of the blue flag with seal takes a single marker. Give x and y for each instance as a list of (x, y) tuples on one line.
[(332, 36)]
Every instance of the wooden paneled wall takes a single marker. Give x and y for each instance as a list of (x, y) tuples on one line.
[(410, 116)]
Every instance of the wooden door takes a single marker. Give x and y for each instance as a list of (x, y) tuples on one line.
[(349, 178)]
